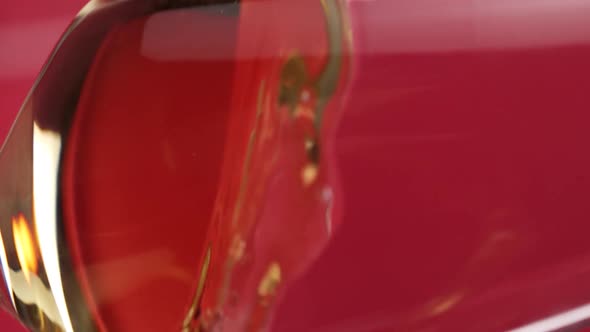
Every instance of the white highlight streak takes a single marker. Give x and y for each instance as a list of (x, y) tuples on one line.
[(558, 321), (46, 152), (6, 269)]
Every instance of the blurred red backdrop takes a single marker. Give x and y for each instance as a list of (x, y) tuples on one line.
[(29, 30)]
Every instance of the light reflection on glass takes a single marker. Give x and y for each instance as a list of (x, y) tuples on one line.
[(6, 269), (46, 152), (559, 321)]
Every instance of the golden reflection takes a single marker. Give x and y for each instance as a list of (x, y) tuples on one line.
[(445, 304), (193, 312), (25, 246), (26, 283), (309, 174), (270, 281)]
